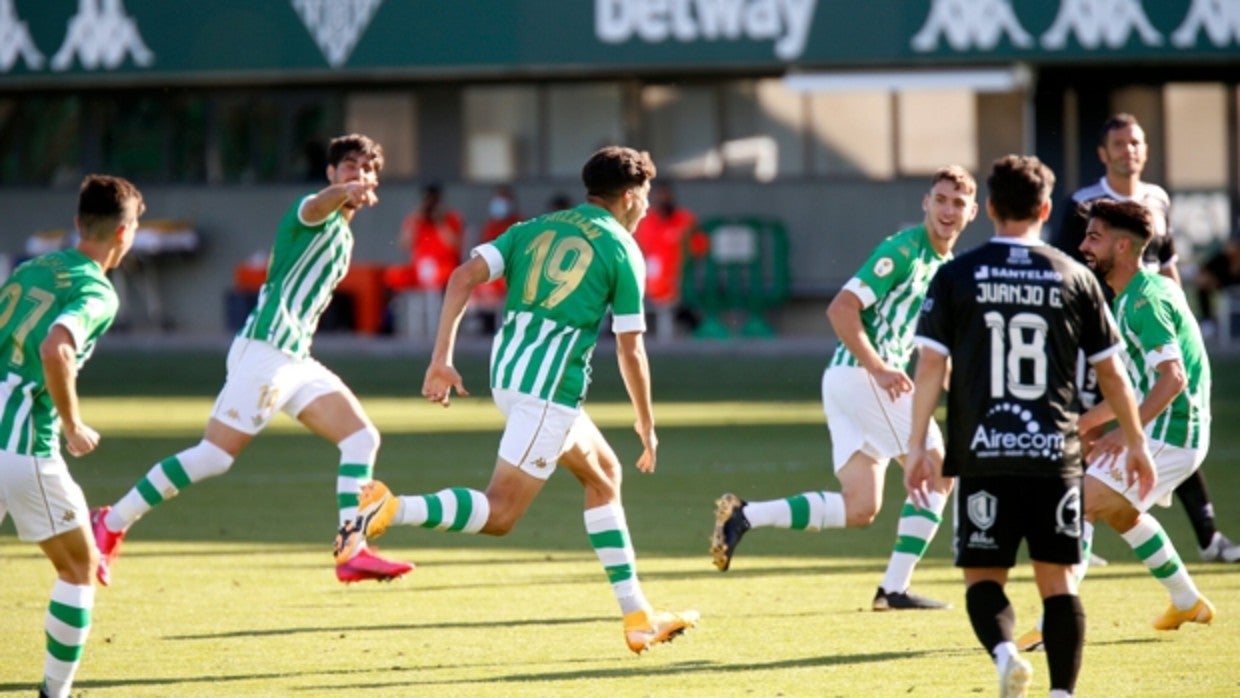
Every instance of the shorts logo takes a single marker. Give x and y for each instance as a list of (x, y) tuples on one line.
[(540, 463), (69, 516), (981, 507), (1068, 514)]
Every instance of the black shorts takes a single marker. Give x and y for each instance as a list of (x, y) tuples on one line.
[(993, 515)]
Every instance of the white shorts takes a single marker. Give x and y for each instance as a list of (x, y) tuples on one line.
[(536, 431), (1172, 463), (263, 379), (863, 418), (42, 497)]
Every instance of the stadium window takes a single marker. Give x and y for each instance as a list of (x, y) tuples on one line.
[(581, 118), (40, 140), (936, 127), (682, 129), (391, 118), (1195, 127), (765, 129), (852, 134), (501, 132)]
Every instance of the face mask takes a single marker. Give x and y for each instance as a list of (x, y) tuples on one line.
[(500, 207)]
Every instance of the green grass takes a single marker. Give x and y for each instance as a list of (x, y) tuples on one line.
[(228, 590)]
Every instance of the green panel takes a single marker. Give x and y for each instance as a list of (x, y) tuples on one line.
[(274, 40)]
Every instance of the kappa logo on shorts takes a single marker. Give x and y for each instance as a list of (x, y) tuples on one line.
[(540, 462), (1068, 514), (981, 507), (69, 516)]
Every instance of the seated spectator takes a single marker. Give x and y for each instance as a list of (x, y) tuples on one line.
[(432, 233)]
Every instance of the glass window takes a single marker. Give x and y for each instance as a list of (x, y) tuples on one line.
[(391, 118), (1196, 133), (40, 140), (853, 134), (765, 131), (581, 119), (501, 133), (936, 127), (682, 129)]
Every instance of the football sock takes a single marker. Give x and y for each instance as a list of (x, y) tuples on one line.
[(357, 467), (1063, 635), (1196, 501), (609, 536), (1150, 542), (166, 480), (808, 511), (67, 625), (991, 615), (916, 529), (453, 509)]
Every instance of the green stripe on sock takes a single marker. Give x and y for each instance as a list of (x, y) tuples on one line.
[(911, 545), (464, 508), (434, 511), (358, 471), (175, 472), (607, 539), (1166, 569), (1149, 547), (911, 509), (63, 652), (800, 511), (345, 500), (149, 493), (619, 573), (70, 615)]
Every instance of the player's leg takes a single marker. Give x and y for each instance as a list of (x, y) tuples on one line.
[(49, 509), (594, 463), (1212, 545), (1145, 535)]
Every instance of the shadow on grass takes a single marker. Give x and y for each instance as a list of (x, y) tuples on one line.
[(481, 624)]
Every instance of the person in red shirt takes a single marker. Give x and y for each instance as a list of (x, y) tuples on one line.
[(664, 236), (489, 297), (432, 233)]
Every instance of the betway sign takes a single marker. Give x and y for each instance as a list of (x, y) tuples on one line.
[(44, 42)]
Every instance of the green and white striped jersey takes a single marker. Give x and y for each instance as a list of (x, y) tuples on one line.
[(564, 269), (66, 288), (1157, 324), (307, 262), (892, 284)]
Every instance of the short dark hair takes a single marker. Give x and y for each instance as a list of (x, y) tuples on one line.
[(1019, 185), (342, 147), (104, 202), (1115, 123), (1128, 216), (614, 169), (957, 175)]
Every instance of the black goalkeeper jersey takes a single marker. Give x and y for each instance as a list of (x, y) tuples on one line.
[(1012, 316)]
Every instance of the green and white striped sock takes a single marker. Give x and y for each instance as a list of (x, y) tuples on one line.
[(166, 479), (1151, 544), (454, 509), (67, 626), (913, 535), (609, 536)]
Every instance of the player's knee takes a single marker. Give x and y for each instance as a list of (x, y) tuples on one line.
[(856, 518), (205, 460), (500, 523), (360, 446)]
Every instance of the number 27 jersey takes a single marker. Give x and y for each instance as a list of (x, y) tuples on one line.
[(1012, 317)]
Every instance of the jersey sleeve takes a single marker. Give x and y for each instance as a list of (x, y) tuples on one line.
[(934, 324), (627, 304), (88, 314), (886, 266), (1154, 326)]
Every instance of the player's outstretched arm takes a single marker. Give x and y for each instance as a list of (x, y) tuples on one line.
[(441, 376)]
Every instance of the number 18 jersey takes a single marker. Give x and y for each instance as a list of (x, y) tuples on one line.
[(1012, 316), (564, 270)]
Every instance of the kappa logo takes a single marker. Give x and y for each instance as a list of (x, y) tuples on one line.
[(336, 25), (979, 25), (101, 35), (15, 41)]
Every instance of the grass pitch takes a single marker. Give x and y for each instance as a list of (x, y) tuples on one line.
[(228, 590)]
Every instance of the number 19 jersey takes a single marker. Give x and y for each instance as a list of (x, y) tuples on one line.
[(1012, 316), (564, 270), (64, 287)]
